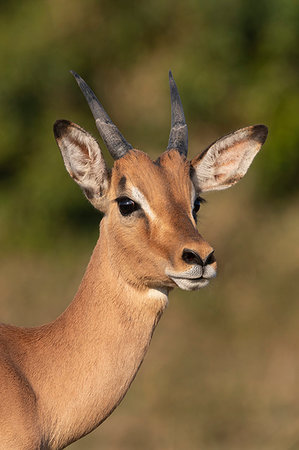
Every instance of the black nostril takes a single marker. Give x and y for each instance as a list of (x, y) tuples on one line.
[(191, 257), (210, 259)]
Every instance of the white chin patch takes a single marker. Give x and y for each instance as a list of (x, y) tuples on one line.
[(158, 294), (194, 278), (189, 284)]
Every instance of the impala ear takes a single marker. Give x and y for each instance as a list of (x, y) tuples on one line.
[(84, 161), (227, 160)]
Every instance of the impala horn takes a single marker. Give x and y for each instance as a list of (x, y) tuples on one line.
[(178, 137), (114, 140)]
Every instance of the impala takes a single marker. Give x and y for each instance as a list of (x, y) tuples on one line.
[(59, 381)]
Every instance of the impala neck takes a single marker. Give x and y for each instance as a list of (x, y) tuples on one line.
[(87, 358)]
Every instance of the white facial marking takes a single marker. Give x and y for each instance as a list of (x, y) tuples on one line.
[(194, 278), (139, 198), (209, 272), (158, 294), (193, 273)]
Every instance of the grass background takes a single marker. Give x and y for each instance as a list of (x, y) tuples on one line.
[(222, 372)]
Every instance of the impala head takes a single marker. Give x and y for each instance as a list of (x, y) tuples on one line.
[(150, 206)]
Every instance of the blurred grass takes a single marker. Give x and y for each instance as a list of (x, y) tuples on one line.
[(222, 371)]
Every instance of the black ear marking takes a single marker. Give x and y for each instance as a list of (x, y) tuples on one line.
[(191, 171), (157, 161)]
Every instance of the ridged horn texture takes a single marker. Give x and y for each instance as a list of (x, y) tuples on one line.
[(178, 137), (114, 140)]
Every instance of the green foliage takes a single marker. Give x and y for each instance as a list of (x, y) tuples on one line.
[(236, 63)]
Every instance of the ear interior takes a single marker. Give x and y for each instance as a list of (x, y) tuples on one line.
[(227, 160), (83, 160)]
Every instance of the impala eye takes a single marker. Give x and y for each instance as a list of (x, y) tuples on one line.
[(127, 206), (197, 203)]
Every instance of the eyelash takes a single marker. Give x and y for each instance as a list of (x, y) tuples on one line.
[(196, 206)]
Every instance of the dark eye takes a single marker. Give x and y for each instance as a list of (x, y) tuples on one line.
[(197, 203), (127, 206)]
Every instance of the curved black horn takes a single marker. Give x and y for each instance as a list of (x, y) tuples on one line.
[(114, 140), (178, 137)]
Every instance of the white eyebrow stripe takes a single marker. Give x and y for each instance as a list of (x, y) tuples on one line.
[(140, 198)]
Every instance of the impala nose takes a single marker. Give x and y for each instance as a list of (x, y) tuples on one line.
[(192, 257)]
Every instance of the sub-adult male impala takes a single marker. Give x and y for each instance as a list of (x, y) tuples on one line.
[(61, 380)]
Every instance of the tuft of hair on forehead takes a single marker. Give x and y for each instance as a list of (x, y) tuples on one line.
[(172, 158), (138, 165), (175, 167)]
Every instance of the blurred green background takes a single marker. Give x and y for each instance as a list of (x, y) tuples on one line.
[(223, 368)]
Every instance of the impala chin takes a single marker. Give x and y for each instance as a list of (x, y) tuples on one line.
[(193, 279), (190, 284)]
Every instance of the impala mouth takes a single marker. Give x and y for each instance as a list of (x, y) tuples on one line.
[(192, 279), (190, 284)]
